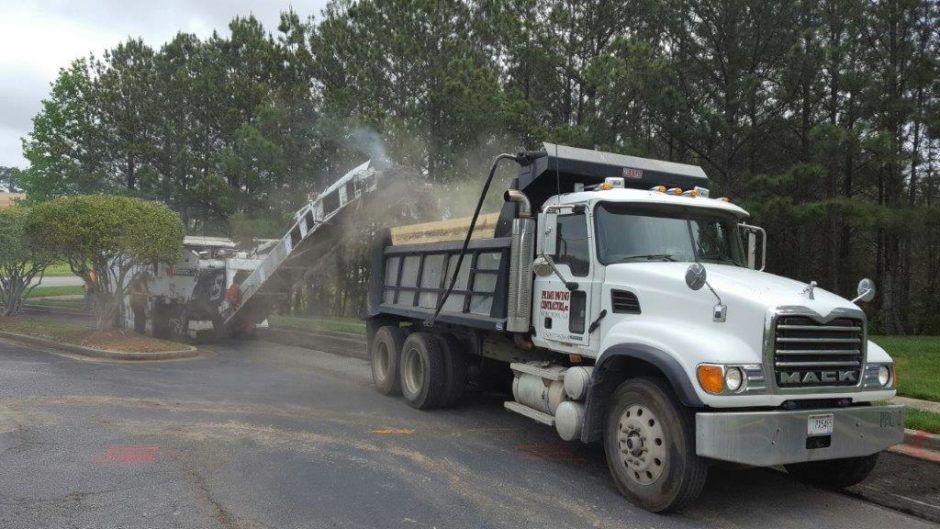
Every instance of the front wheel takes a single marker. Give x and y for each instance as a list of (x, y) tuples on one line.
[(649, 441), (834, 473)]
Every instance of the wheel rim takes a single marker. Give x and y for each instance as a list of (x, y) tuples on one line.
[(381, 360), (642, 444), (413, 370)]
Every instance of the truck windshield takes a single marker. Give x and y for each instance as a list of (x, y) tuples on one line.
[(632, 233)]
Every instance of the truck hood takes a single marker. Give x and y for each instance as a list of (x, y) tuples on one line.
[(669, 305), (733, 284), (772, 290)]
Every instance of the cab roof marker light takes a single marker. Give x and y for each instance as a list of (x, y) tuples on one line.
[(674, 191), (724, 199), (691, 193), (615, 182), (661, 189), (702, 191)]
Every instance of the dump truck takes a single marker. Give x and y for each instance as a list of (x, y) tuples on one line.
[(631, 308)]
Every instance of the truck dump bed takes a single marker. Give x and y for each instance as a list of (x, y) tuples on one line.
[(415, 276)]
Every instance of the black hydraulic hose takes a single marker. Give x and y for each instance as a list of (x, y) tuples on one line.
[(466, 242)]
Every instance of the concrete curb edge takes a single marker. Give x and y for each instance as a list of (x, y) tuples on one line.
[(922, 440), (90, 352)]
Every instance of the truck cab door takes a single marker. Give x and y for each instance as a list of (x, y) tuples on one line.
[(562, 316)]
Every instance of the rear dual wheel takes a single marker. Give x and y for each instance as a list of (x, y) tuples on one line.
[(429, 370), (385, 356), (455, 370), (422, 371)]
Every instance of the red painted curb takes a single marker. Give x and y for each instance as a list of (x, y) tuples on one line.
[(920, 439), (917, 453)]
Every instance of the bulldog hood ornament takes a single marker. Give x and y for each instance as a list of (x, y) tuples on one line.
[(809, 290)]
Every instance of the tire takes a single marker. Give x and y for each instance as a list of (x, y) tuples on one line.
[(455, 369), (662, 472), (834, 474), (218, 328), (385, 357), (160, 320), (422, 371)]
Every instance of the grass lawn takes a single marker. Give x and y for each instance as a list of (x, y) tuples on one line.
[(67, 303), (68, 290), (917, 360), (312, 324), (62, 332), (58, 270), (56, 330), (923, 420)]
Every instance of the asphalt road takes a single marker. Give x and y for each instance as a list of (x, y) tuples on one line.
[(261, 435)]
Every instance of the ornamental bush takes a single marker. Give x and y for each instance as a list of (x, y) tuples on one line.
[(21, 260), (107, 240)]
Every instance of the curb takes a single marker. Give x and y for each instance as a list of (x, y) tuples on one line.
[(90, 352), (922, 440), (50, 310), (919, 445)]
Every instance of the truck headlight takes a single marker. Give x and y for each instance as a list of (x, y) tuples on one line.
[(884, 375), (734, 378)]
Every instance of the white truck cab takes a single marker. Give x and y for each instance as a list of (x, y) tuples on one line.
[(629, 250), (633, 309)]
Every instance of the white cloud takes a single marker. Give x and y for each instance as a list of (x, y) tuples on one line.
[(37, 38)]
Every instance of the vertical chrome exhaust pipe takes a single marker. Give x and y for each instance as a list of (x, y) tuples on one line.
[(525, 207)]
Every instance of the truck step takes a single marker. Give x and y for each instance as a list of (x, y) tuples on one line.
[(531, 413), (540, 369)]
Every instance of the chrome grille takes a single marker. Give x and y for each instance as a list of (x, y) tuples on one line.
[(812, 354)]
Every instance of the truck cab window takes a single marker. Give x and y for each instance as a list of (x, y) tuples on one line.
[(572, 247), (632, 233)]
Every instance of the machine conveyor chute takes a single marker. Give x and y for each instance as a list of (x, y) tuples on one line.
[(315, 231)]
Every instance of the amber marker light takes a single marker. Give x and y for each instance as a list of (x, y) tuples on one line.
[(711, 378)]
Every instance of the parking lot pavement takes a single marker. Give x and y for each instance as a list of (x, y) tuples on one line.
[(261, 435)]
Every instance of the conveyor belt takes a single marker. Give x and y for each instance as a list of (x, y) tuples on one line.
[(315, 232)]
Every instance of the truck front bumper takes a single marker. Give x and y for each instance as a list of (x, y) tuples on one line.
[(768, 438)]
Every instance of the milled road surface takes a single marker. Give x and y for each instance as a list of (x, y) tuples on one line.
[(261, 435)]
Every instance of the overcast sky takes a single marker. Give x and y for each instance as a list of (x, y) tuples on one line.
[(39, 37)]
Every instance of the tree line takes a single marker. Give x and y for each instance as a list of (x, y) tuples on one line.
[(820, 117)]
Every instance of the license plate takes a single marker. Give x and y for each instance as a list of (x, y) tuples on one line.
[(819, 424)]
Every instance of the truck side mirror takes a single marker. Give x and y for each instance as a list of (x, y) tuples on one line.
[(866, 291), (753, 232), (549, 233), (695, 276)]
